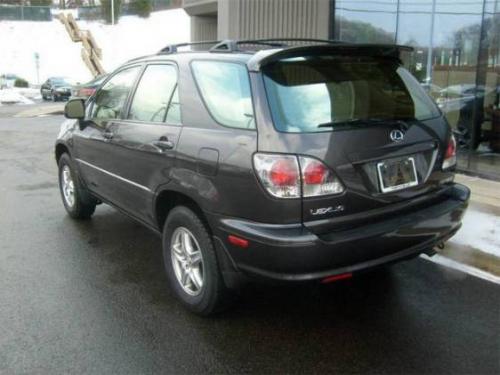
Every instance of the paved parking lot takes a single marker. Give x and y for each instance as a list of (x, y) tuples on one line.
[(91, 297)]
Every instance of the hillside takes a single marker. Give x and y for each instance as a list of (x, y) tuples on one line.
[(59, 56)]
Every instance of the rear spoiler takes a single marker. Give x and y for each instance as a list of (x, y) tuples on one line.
[(268, 56)]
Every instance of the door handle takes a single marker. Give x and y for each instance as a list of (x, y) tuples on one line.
[(163, 144), (108, 135)]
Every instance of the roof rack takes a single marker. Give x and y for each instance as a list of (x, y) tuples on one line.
[(230, 45), (233, 45), (173, 48)]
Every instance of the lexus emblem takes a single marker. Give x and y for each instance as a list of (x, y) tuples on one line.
[(396, 135)]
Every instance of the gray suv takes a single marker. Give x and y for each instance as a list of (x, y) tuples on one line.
[(288, 161)]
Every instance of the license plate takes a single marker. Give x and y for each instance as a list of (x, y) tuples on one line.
[(397, 174)]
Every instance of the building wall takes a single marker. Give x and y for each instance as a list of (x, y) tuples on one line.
[(249, 19), (203, 28)]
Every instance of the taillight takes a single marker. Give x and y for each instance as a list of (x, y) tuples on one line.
[(86, 92), (282, 177), (318, 179), (450, 156), (279, 174)]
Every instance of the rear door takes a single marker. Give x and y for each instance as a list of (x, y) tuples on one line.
[(366, 119), (147, 138)]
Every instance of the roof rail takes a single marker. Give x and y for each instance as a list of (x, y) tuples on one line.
[(282, 40), (173, 48), (230, 45)]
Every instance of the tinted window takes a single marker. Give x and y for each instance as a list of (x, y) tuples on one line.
[(225, 88), (306, 93), (111, 97), (152, 97), (174, 109)]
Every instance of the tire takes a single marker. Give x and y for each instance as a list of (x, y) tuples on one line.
[(54, 97), (82, 205), (213, 296)]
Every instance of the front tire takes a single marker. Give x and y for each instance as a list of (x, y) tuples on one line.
[(191, 263), (77, 202)]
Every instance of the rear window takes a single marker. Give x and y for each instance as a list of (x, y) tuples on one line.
[(225, 88), (307, 92)]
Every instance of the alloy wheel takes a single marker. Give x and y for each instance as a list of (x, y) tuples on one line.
[(187, 261), (68, 186)]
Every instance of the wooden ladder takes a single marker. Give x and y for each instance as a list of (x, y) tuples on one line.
[(91, 53)]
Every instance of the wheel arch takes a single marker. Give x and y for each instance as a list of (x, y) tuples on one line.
[(167, 199), (61, 149)]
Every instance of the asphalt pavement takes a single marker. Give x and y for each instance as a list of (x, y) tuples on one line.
[(91, 297)]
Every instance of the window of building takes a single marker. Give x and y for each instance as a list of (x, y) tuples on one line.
[(456, 59)]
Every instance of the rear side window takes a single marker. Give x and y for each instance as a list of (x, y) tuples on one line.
[(174, 109), (225, 88), (154, 92), (111, 98), (305, 93)]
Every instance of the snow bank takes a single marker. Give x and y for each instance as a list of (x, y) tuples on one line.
[(16, 96), (59, 56), (481, 231)]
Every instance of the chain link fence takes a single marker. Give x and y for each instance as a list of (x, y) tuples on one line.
[(99, 12), (23, 13)]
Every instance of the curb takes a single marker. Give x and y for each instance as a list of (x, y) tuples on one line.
[(484, 200), (55, 109)]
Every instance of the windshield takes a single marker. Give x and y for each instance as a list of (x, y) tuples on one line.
[(305, 93), (61, 81)]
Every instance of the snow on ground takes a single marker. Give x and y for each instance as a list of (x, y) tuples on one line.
[(59, 56), (18, 95), (481, 231)]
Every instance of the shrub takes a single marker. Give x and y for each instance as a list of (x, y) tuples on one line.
[(19, 82), (143, 8), (106, 10), (46, 3)]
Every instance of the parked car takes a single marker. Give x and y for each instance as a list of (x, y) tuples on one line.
[(56, 88), (465, 99), (88, 89), (290, 164)]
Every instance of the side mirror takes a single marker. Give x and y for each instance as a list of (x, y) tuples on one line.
[(75, 109)]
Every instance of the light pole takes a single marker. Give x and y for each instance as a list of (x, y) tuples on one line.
[(428, 79), (112, 12), (37, 64)]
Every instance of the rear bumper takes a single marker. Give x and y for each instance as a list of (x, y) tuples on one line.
[(294, 253), (65, 94)]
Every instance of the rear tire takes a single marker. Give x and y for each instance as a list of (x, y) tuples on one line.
[(203, 290), (77, 201)]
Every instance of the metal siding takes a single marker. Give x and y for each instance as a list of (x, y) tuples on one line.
[(242, 19), (203, 28)]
